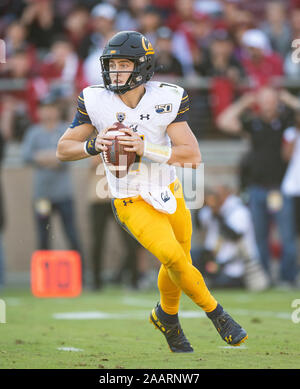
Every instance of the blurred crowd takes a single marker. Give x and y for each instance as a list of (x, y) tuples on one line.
[(53, 47), (242, 47)]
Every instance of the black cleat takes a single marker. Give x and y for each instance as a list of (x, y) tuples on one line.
[(230, 331), (173, 333)]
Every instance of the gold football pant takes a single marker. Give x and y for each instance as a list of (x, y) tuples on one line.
[(168, 238)]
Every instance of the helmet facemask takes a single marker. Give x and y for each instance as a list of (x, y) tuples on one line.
[(134, 80)]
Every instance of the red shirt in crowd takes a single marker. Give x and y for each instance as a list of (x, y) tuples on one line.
[(262, 72)]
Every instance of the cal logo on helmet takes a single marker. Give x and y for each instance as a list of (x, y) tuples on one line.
[(148, 49)]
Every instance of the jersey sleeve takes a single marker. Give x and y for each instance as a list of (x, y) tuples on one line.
[(81, 116), (182, 114)]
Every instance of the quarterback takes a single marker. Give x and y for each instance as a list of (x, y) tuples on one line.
[(150, 207)]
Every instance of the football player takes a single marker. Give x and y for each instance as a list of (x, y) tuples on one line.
[(150, 207)]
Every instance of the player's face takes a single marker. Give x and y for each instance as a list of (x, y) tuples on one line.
[(120, 70)]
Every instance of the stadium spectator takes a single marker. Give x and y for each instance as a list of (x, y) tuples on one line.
[(77, 29), (214, 8), (42, 22), (233, 14), (52, 185), (149, 21), (199, 30), (19, 106), (16, 40), (165, 6), (265, 126), (229, 251), (219, 60), (235, 10), (237, 34), (277, 28), (261, 64), (183, 12), (294, 4), (62, 68), (291, 153), (220, 63), (127, 18), (230, 12), (64, 7), (103, 17), (166, 62), (10, 10), (192, 36)]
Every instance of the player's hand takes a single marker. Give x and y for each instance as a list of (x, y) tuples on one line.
[(103, 140), (132, 141)]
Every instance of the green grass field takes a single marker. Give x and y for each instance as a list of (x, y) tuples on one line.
[(110, 330)]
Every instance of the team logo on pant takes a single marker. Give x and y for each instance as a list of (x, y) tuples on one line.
[(120, 116), (165, 197)]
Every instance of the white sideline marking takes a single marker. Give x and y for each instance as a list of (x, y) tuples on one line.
[(247, 312), (97, 315), (12, 301), (141, 315), (234, 347), (69, 349)]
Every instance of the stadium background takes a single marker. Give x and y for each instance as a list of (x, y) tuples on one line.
[(191, 22)]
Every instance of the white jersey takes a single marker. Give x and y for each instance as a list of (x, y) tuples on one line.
[(161, 105)]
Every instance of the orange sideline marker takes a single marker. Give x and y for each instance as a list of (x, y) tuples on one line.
[(56, 273)]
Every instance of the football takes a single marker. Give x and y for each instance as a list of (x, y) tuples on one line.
[(117, 159)]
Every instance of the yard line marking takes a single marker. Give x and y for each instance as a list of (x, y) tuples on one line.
[(69, 349), (97, 315), (246, 312), (141, 315), (234, 347), (12, 301)]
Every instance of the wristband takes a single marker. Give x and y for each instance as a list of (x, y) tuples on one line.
[(89, 147), (157, 153)]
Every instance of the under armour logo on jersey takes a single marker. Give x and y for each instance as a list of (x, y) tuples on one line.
[(165, 197), (142, 117)]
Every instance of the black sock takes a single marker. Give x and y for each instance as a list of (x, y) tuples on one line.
[(216, 312), (165, 317)]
